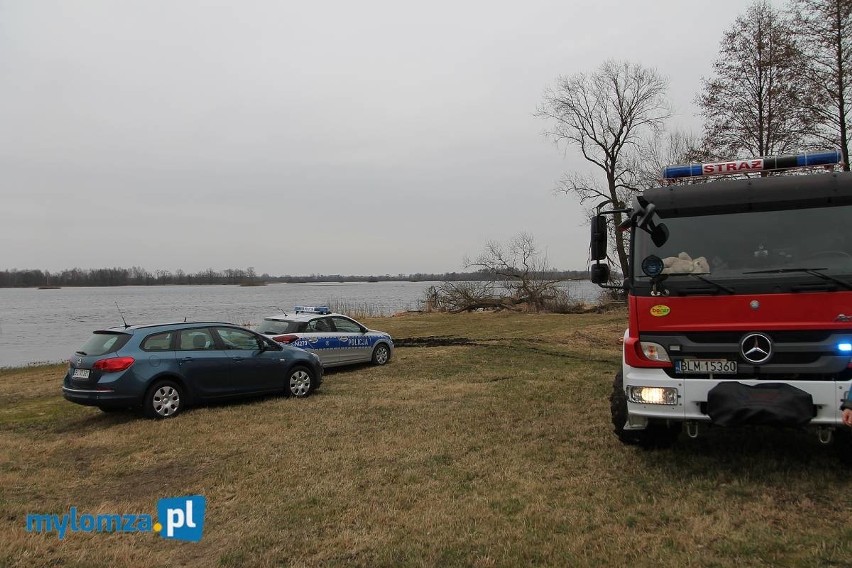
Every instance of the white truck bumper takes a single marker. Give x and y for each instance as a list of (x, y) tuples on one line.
[(692, 396)]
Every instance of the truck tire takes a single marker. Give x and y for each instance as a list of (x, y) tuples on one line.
[(842, 445), (618, 408), (656, 435)]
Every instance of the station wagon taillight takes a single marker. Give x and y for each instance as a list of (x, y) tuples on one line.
[(114, 364), (285, 338)]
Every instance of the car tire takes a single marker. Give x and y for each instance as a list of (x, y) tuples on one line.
[(300, 381), (165, 399), (381, 354), (655, 435)]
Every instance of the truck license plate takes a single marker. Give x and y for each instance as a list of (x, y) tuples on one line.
[(700, 366), (80, 374)]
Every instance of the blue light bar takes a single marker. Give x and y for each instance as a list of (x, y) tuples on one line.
[(754, 165), (844, 347), (322, 310)]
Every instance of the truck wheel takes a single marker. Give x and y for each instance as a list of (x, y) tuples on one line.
[(842, 445), (661, 435), (618, 408), (656, 435)]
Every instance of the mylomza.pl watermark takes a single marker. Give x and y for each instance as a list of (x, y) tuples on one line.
[(178, 518)]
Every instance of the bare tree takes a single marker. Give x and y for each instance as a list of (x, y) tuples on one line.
[(605, 114), (666, 149), (461, 296), (757, 103), (521, 269), (824, 28)]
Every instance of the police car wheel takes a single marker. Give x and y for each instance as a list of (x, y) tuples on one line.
[(300, 382), (381, 354)]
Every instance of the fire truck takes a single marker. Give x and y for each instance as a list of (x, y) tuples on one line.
[(739, 293)]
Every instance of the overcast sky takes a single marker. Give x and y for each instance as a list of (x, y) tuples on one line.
[(368, 137)]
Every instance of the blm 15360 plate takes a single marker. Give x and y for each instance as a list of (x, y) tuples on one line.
[(702, 366)]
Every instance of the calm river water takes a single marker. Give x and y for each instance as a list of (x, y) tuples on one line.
[(49, 325)]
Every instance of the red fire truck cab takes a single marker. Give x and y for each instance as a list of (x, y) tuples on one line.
[(740, 301)]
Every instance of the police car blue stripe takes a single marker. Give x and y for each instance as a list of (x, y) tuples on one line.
[(338, 342)]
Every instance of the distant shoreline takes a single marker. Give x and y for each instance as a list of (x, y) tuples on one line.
[(112, 277)]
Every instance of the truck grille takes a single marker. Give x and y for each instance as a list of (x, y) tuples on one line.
[(796, 355), (793, 336)]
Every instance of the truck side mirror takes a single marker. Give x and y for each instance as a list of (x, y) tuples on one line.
[(600, 273), (598, 237), (660, 234)]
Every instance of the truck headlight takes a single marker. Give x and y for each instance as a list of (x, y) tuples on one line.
[(652, 395)]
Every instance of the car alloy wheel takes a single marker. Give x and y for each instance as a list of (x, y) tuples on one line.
[(300, 382), (381, 354)]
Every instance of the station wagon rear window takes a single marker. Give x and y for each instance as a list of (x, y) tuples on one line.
[(103, 342)]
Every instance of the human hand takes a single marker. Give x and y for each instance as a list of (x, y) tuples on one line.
[(847, 416)]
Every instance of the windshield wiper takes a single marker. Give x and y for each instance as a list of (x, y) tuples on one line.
[(812, 271), (716, 284)]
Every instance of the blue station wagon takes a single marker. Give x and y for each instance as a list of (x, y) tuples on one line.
[(165, 367)]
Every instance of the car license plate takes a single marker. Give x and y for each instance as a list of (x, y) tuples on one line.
[(80, 374), (700, 366)]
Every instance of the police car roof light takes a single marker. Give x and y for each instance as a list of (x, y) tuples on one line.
[(752, 165), (322, 310)]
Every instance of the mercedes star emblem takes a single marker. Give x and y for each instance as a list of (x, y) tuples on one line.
[(756, 348)]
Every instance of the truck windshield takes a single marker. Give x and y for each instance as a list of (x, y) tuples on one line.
[(779, 248)]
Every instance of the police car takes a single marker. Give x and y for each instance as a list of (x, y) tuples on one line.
[(336, 339)]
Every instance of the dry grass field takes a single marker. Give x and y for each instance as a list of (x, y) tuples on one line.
[(489, 445)]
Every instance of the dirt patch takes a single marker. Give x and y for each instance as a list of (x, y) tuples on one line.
[(150, 481), (433, 341)]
